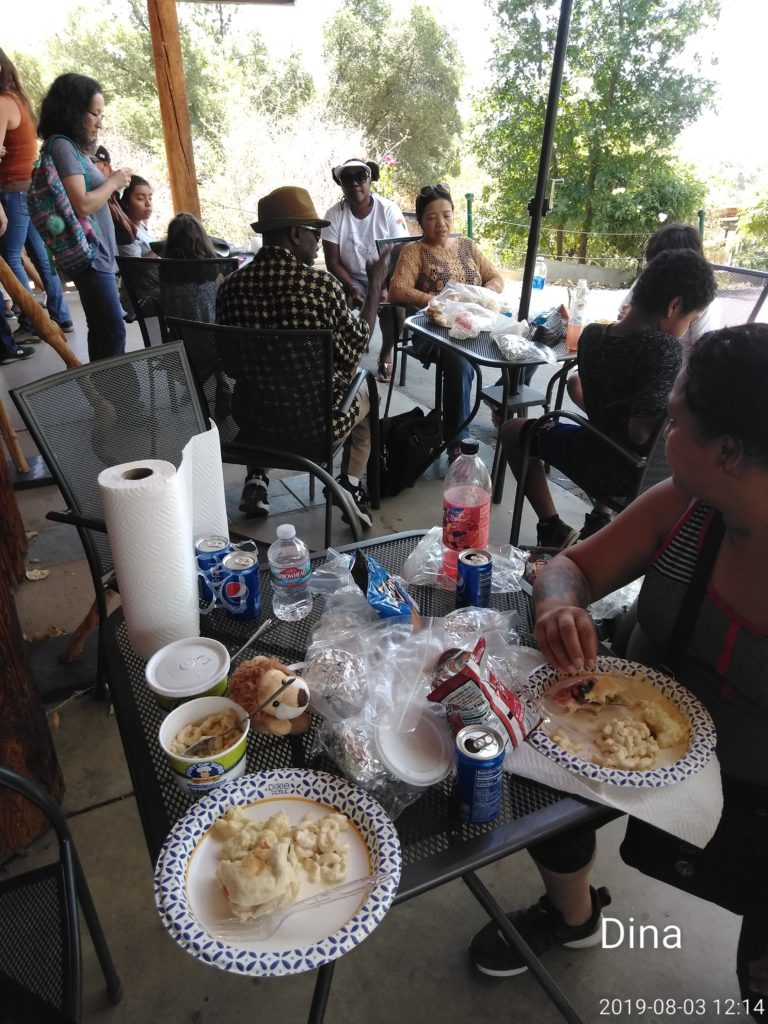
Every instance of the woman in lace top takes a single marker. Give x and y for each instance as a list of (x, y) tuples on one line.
[(424, 269)]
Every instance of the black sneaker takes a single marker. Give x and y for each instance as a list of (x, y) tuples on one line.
[(359, 500), (254, 501), (593, 521), (543, 928), (555, 534), (22, 334), (22, 352)]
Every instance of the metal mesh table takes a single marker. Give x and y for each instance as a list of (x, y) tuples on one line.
[(436, 845)]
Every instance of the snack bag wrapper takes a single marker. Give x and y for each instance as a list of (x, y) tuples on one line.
[(473, 695), (386, 595)]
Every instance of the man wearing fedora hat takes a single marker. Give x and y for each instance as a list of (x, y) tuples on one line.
[(349, 241), (281, 289)]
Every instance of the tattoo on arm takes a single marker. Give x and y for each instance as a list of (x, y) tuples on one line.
[(564, 582)]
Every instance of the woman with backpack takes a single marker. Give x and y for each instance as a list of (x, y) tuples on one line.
[(71, 116), (18, 138)]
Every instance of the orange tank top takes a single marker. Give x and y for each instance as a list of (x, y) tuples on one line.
[(21, 147)]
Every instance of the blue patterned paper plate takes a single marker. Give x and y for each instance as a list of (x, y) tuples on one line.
[(191, 901), (703, 736)]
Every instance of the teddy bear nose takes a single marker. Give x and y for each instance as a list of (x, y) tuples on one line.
[(303, 698)]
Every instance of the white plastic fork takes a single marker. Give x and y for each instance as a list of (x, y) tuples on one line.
[(233, 929)]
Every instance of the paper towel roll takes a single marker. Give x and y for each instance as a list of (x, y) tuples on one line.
[(150, 527), (204, 479)]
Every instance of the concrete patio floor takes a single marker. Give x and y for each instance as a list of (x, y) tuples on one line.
[(414, 966)]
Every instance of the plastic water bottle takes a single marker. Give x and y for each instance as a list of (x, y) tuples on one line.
[(466, 506), (539, 274), (577, 315), (289, 568)]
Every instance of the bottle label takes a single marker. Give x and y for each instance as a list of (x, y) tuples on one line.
[(466, 526), (290, 575)]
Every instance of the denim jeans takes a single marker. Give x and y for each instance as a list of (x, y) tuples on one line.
[(458, 376), (21, 233), (7, 345), (103, 313)]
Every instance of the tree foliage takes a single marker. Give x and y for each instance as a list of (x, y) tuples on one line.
[(629, 88), (398, 82)]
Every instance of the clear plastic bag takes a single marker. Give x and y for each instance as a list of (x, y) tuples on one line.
[(350, 745), (424, 565), (516, 347), (457, 292)]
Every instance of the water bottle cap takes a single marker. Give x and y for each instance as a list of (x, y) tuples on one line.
[(470, 446), (285, 531)]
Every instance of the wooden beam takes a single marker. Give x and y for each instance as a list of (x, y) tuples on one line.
[(174, 106)]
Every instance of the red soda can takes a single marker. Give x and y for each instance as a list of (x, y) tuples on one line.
[(239, 594), (473, 586)]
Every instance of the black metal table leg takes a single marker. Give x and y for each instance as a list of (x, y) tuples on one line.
[(321, 994), (542, 975)]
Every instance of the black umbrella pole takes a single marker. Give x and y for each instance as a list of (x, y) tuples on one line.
[(536, 207)]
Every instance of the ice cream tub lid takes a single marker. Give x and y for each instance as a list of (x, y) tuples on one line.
[(187, 668)]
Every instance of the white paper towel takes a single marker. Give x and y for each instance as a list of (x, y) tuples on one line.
[(690, 809), (153, 515)]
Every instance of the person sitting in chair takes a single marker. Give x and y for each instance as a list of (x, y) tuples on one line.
[(626, 371), (349, 242), (281, 290)]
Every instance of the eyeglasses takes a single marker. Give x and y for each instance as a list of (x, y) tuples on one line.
[(440, 188), (312, 230), (354, 177), (98, 116)]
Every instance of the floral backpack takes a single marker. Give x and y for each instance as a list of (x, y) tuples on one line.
[(71, 240)]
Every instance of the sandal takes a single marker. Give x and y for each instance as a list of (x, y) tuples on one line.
[(384, 376)]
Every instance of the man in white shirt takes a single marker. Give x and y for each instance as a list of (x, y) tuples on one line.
[(349, 241)]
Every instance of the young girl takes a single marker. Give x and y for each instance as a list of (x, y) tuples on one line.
[(136, 202)]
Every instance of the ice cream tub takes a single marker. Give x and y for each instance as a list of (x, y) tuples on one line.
[(194, 667)]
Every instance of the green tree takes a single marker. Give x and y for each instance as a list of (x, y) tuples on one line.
[(628, 90), (399, 84)]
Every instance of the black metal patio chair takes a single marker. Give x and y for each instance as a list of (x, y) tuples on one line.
[(647, 470), (40, 950), (136, 406), (288, 376)]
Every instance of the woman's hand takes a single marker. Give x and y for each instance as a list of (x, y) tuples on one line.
[(119, 179), (565, 635)]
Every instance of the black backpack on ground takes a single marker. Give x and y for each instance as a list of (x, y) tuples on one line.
[(410, 442)]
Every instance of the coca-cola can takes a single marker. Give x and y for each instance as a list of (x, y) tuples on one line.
[(239, 593)]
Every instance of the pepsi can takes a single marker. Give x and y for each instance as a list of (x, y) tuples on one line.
[(210, 552), (473, 585), (239, 593), (479, 773)]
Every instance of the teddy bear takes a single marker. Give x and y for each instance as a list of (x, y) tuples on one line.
[(254, 680)]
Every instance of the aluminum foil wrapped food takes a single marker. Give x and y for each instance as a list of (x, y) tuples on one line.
[(350, 744), (336, 680)]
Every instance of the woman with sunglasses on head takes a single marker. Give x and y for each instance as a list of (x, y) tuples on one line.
[(71, 116), (424, 269), (18, 138), (349, 241)]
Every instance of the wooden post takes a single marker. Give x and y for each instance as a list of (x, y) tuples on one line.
[(26, 744), (174, 107)]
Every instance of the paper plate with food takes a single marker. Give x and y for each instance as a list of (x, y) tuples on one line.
[(624, 723), (256, 846)]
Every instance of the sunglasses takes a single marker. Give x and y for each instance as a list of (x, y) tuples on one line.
[(312, 230), (440, 188), (351, 177)]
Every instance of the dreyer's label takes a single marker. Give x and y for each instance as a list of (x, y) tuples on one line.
[(465, 526), (473, 695)]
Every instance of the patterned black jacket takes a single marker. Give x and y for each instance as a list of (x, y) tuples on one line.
[(276, 291)]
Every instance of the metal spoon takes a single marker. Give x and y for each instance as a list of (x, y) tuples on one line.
[(187, 751), (262, 629)]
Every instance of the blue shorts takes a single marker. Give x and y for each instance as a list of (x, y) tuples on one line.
[(553, 441)]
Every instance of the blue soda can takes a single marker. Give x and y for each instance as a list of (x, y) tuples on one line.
[(473, 583), (210, 552), (479, 761), (239, 593)]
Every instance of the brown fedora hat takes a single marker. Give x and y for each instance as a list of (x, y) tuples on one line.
[(287, 207)]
